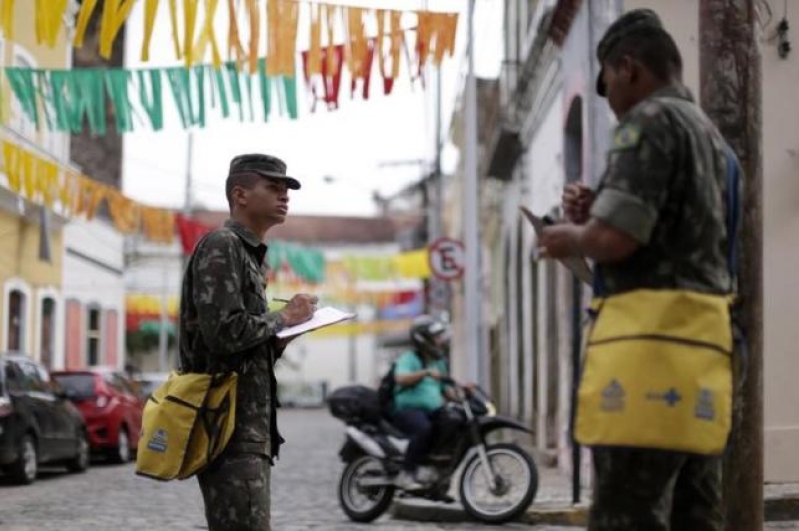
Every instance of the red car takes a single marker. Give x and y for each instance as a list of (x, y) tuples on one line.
[(110, 406)]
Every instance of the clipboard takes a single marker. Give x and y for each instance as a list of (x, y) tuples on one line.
[(577, 265), (323, 317)]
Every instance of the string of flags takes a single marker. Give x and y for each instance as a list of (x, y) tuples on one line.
[(272, 22), (45, 182), (67, 100)]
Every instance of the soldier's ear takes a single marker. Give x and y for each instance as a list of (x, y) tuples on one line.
[(627, 69), (239, 195)]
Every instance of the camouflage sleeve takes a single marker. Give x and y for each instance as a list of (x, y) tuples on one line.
[(636, 182), (224, 321)]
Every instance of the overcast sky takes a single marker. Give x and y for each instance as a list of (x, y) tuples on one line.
[(348, 144)]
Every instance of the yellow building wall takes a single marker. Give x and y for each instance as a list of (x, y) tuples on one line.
[(25, 37), (19, 258), (19, 237)]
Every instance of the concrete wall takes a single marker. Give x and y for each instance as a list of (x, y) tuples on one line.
[(94, 278)]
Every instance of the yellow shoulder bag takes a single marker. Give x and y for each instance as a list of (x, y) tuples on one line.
[(657, 372), (186, 424)]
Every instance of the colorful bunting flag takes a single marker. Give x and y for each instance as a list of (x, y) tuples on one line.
[(69, 99), (43, 181)]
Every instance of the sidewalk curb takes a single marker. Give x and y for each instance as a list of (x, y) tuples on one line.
[(779, 509), (782, 508), (454, 513)]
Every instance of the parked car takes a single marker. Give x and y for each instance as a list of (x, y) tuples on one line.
[(38, 424), (111, 407)]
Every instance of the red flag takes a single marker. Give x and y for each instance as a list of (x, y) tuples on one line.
[(190, 232)]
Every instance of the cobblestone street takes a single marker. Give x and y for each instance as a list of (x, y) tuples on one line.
[(109, 497)]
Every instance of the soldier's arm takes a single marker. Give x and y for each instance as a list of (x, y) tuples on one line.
[(633, 190), (224, 321)]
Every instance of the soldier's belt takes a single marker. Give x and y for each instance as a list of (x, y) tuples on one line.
[(186, 424), (657, 372)]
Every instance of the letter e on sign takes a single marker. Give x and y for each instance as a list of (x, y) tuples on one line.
[(447, 258)]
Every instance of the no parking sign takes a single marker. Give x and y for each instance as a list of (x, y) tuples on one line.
[(447, 258)]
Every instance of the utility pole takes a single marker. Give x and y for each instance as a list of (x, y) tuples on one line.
[(187, 199), (730, 78), (166, 263), (472, 300)]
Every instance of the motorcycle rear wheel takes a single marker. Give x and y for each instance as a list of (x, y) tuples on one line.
[(515, 493), (363, 504)]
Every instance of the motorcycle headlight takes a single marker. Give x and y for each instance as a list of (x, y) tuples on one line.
[(492, 410)]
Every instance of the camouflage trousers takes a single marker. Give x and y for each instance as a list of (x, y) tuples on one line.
[(235, 490), (654, 490)]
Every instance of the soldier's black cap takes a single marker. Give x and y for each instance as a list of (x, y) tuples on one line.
[(633, 22), (263, 165)]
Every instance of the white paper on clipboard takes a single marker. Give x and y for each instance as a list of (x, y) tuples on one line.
[(323, 317), (576, 265)]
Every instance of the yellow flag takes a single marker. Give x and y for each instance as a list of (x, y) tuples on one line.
[(47, 181), (330, 55), (397, 38), (413, 264), (68, 192), (150, 13), (190, 23), (446, 28), (173, 20), (11, 154), (235, 50), (26, 162), (85, 13), (115, 13), (207, 36), (124, 212), (255, 32), (357, 45), (7, 19), (49, 16)]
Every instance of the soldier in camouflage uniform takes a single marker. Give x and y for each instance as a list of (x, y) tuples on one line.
[(656, 221), (226, 325)]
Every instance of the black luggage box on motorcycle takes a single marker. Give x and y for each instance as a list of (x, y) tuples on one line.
[(354, 403)]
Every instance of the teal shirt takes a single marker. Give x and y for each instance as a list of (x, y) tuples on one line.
[(428, 394)]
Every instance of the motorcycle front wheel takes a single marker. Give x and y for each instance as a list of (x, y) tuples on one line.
[(512, 491), (363, 504)]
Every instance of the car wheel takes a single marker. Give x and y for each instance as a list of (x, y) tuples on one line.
[(80, 462), (25, 469), (122, 452)]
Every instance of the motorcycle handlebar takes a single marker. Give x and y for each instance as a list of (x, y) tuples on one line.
[(469, 390)]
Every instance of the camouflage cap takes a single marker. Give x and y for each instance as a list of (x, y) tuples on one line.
[(263, 165), (628, 24)]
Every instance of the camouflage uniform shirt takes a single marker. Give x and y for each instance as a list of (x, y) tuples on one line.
[(225, 325), (666, 185)]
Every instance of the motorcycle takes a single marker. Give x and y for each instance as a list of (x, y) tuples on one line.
[(497, 483)]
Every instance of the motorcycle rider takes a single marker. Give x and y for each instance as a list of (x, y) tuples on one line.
[(419, 394)]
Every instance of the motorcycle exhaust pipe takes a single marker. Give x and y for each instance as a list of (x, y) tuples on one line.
[(378, 481), (366, 443)]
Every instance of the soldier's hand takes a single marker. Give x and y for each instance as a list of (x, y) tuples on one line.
[(299, 309), (559, 241), (577, 200)]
